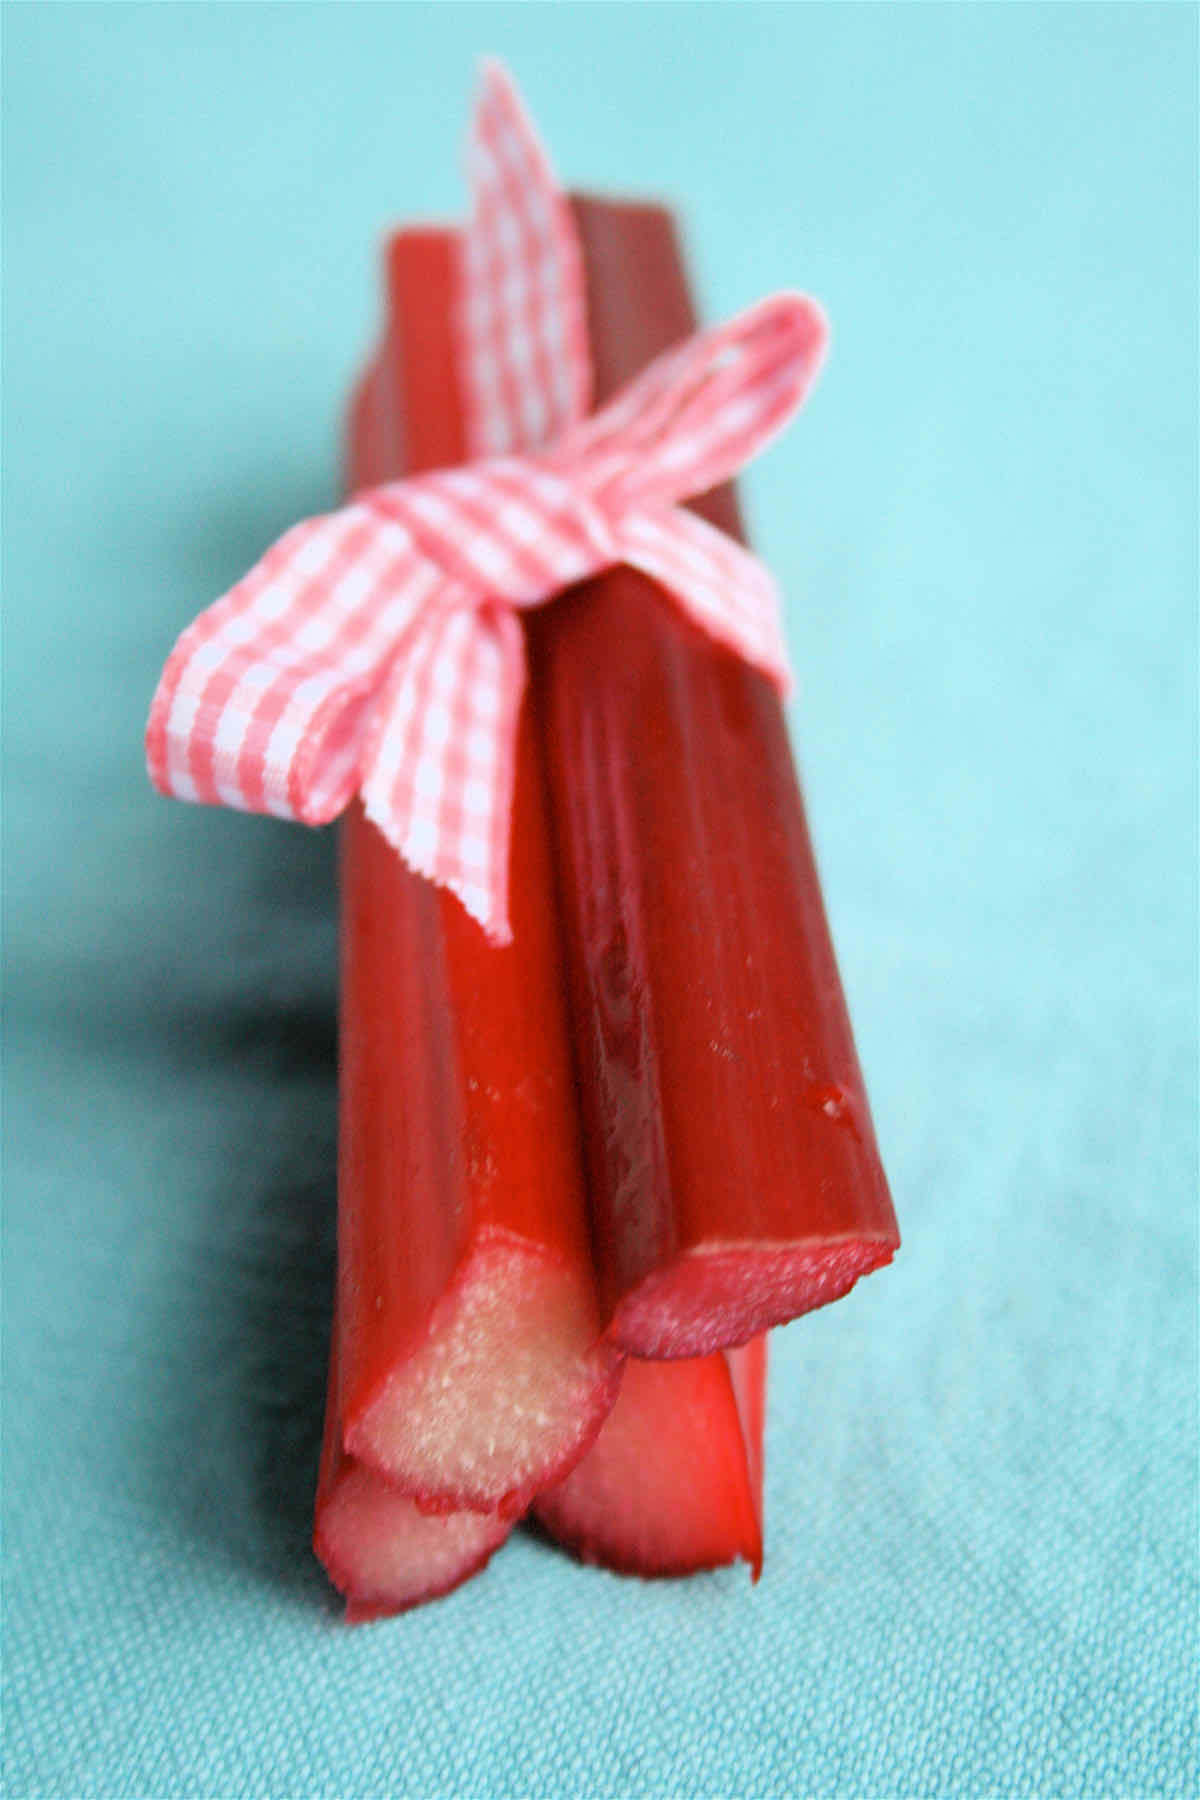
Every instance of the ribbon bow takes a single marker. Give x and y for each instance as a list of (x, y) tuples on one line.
[(377, 649)]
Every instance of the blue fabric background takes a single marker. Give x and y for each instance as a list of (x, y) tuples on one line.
[(981, 1570)]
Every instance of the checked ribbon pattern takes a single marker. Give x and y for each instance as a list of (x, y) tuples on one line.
[(377, 650)]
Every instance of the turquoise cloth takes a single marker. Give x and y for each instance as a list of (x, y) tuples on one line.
[(981, 1564)]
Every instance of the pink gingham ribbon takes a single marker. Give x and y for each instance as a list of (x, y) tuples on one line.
[(377, 649)]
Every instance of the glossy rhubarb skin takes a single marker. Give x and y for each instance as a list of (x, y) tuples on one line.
[(734, 1176), (673, 1483), (379, 1549), (472, 1371)]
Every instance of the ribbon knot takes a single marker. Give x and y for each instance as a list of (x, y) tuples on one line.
[(377, 649), (510, 529)]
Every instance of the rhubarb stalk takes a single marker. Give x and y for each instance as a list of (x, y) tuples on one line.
[(379, 1549), (470, 1369), (673, 1483), (734, 1176)]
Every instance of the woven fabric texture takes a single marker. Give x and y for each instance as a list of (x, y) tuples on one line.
[(980, 1571)]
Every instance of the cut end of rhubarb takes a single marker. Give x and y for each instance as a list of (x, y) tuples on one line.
[(385, 1555), (671, 1484), (505, 1393), (719, 1297)]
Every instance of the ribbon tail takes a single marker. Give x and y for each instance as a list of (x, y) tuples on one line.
[(722, 587), (441, 763), (521, 317)]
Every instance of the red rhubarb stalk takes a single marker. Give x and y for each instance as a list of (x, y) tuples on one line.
[(733, 1171), (471, 1373), (379, 1549), (673, 1483)]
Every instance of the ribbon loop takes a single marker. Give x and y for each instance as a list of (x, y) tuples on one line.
[(698, 413), (265, 702)]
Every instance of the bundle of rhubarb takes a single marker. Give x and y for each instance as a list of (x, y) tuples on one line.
[(602, 1124)]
